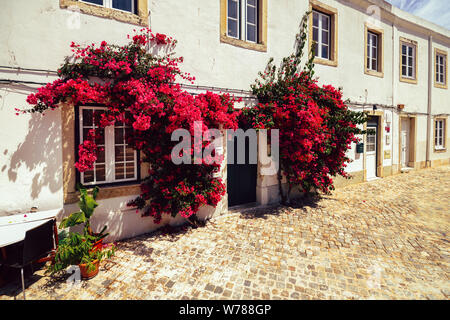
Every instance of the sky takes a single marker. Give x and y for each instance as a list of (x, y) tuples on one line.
[(436, 11)]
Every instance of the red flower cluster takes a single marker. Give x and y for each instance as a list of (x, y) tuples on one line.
[(139, 89), (316, 127)]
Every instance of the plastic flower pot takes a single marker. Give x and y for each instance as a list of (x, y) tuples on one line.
[(89, 274)]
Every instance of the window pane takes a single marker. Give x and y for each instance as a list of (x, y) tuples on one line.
[(99, 2), (120, 171), (118, 136), (403, 49), (251, 33), (87, 117), (101, 156), (122, 5), (316, 50), (315, 34), (100, 172), (251, 2), (403, 70), (251, 14), (232, 9), (368, 62), (325, 20), (119, 154), (130, 170), (404, 60), (374, 64), (325, 52), (410, 72), (232, 28), (88, 176), (442, 79), (374, 52), (325, 37), (410, 61), (410, 51), (129, 154), (315, 19)]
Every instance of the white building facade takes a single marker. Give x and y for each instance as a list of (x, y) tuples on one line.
[(387, 62)]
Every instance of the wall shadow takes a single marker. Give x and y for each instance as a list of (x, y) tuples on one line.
[(40, 150)]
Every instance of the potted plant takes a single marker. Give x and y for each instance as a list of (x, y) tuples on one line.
[(87, 205), (79, 249)]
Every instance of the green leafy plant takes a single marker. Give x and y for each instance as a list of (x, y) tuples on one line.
[(87, 205), (77, 249)]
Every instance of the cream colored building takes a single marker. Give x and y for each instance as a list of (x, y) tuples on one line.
[(387, 62)]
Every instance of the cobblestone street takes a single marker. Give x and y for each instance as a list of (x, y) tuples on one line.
[(385, 239)]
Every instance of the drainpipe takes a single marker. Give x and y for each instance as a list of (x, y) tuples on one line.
[(430, 86)]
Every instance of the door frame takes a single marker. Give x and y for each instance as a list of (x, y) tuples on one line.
[(412, 140), (380, 147), (376, 151)]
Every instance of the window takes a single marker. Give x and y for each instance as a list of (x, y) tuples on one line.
[(439, 134), (371, 143), (373, 51), (124, 5), (323, 33), (117, 162), (129, 11), (244, 23), (440, 69), (408, 61), (242, 20)]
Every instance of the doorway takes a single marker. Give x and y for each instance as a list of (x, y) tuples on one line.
[(371, 152), (241, 178), (404, 143)]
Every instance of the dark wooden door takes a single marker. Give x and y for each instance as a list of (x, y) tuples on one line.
[(241, 178)]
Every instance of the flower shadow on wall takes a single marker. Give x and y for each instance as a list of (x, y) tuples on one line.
[(40, 151)]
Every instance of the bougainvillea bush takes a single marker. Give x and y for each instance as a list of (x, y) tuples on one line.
[(316, 126), (139, 89)]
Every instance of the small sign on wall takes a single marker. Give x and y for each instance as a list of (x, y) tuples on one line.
[(360, 148), (387, 154)]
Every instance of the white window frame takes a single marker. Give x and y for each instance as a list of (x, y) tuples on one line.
[(371, 36), (413, 66), (320, 28), (242, 6), (110, 165), (438, 66), (108, 4), (439, 139)]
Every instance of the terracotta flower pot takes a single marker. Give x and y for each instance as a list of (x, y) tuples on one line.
[(85, 273)]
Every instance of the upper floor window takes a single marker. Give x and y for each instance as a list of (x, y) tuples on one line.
[(116, 161), (244, 23), (323, 33), (408, 61), (242, 20), (129, 11), (439, 134), (124, 5), (373, 51), (440, 69)]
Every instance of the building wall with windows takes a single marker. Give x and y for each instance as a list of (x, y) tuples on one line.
[(37, 154)]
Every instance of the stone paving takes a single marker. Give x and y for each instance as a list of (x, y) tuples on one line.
[(385, 239)]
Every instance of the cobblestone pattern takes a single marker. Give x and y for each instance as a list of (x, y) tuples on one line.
[(385, 239)]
